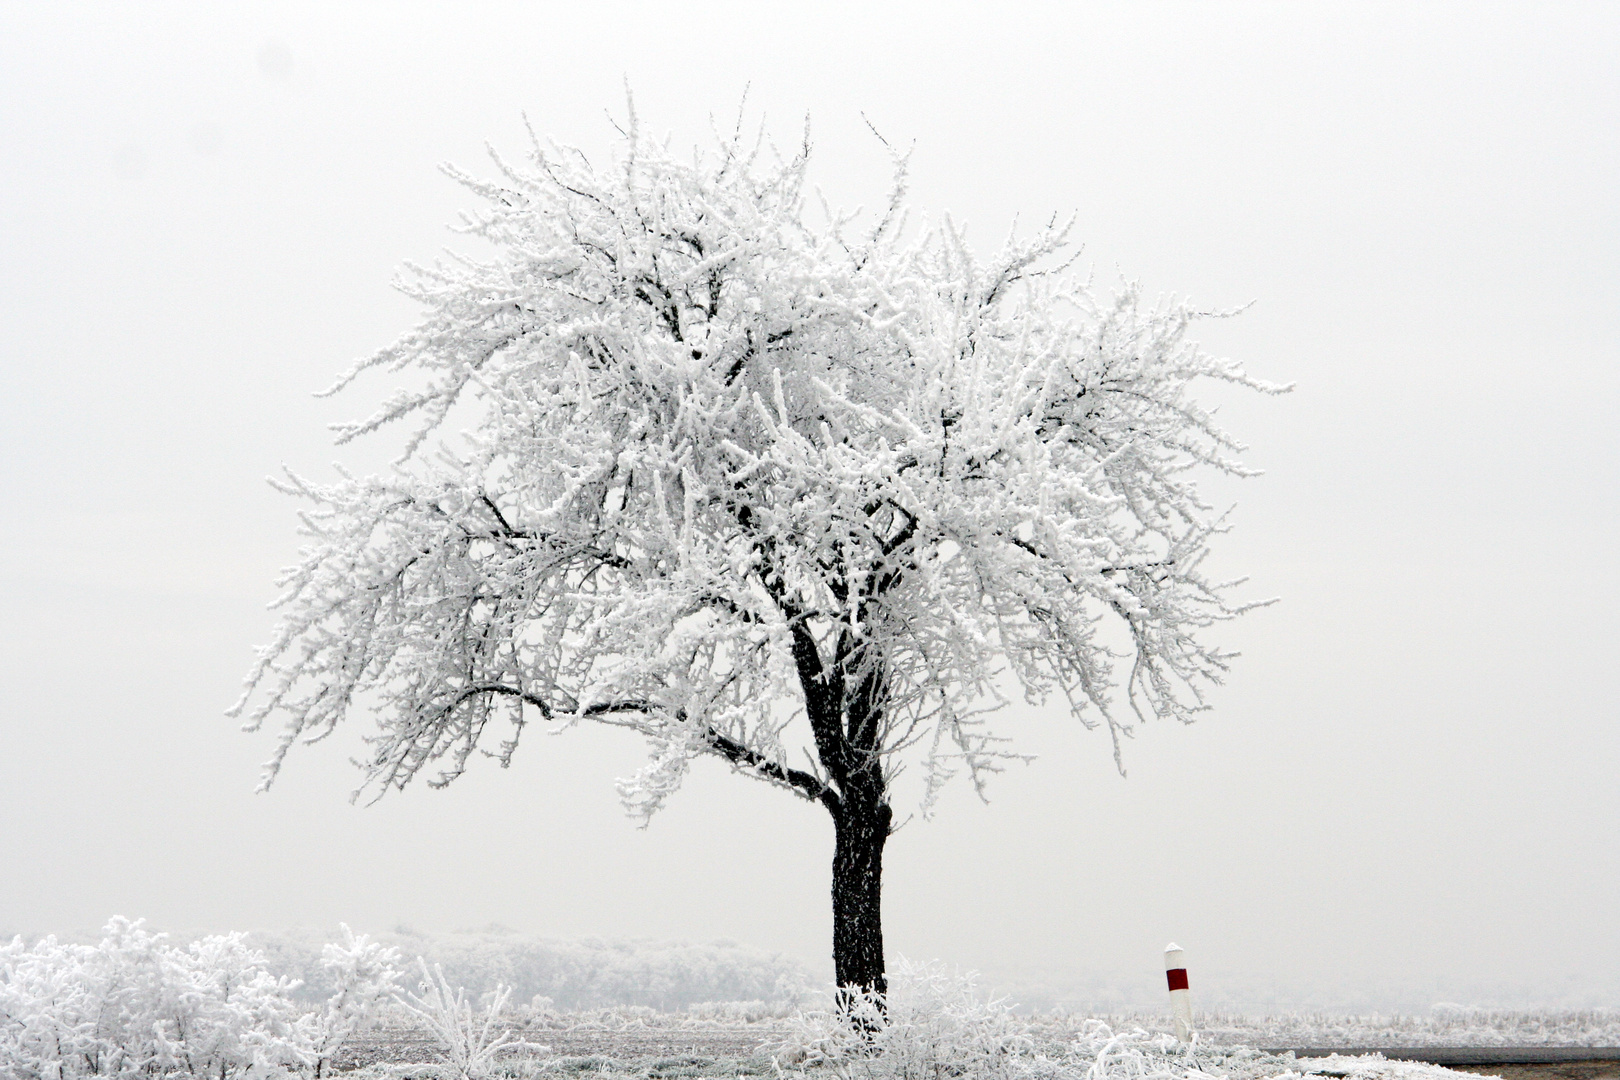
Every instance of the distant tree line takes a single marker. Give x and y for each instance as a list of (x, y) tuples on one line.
[(586, 974)]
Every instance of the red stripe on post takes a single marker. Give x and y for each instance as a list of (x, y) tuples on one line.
[(1177, 977)]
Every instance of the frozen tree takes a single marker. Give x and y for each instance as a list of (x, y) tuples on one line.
[(735, 471)]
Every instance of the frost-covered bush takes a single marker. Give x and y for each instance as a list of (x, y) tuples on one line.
[(472, 1041), (364, 977), (932, 1024), (935, 1026), (134, 1005)]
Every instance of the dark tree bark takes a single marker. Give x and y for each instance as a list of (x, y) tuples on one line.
[(846, 699), (857, 895), (861, 820)]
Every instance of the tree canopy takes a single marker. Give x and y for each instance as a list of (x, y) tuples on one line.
[(734, 464)]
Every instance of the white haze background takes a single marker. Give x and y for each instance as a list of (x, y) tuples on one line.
[(1406, 794)]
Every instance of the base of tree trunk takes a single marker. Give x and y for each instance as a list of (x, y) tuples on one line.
[(857, 894)]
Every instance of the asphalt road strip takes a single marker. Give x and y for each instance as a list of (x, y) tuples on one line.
[(1467, 1055)]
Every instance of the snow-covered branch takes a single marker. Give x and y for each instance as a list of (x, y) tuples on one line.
[(728, 469)]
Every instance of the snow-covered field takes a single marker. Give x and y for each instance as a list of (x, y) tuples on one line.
[(741, 1022), (137, 1004), (929, 1045), (945, 1031)]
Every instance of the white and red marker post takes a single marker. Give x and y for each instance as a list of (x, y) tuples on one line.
[(1175, 972)]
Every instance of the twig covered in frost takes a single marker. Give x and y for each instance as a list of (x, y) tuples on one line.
[(470, 1042)]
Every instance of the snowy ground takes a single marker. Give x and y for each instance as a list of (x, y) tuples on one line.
[(66, 1010), (1139, 1062), (638, 1045)]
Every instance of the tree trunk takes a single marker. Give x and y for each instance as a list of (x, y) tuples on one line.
[(857, 894)]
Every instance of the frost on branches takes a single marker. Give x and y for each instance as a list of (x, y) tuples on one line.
[(735, 471), (136, 1005)]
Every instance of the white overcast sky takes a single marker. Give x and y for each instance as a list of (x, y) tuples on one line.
[(1408, 789)]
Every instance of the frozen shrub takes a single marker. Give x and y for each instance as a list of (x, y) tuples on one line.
[(471, 1042), (364, 973), (135, 1005), (933, 1024)]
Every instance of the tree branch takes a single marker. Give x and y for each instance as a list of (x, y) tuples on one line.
[(823, 690), (804, 783), (508, 532)]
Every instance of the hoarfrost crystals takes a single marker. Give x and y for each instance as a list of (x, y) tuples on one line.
[(726, 461), (133, 1004)]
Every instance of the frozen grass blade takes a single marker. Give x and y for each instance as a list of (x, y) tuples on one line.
[(470, 1042)]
